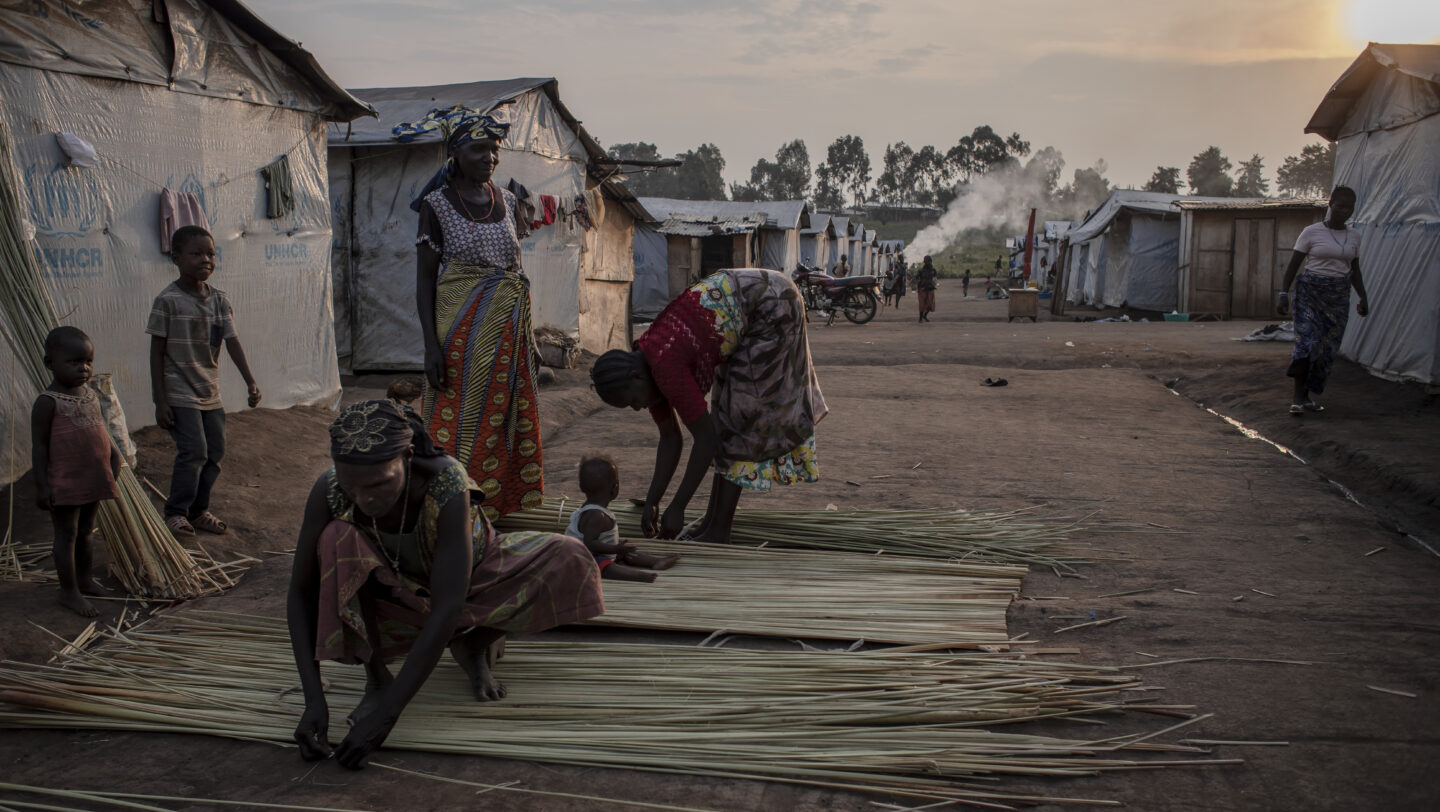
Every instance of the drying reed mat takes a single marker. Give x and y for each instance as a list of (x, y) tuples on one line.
[(1017, 536), (927, 726), (145, 556), (717, 588)]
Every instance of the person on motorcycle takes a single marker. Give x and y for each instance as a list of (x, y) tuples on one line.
[(739, 334)]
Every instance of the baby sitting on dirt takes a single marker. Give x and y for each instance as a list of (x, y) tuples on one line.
[(594, 524)]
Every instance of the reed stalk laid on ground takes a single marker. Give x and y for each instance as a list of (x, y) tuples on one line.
[(905, 723), (820, 594), (1017, 536), (147, 558)]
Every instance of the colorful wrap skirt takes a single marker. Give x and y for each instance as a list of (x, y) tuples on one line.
[(485, 412), (1322, 308), (766, 399), (523, 582)]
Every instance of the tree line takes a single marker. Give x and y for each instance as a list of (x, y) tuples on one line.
[(930, 176), (1305, 175)]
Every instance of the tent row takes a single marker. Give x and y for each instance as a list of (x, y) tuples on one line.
[(689, 239)]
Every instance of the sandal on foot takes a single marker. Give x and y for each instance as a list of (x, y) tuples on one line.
[(1297, 409), (1312, 406), (179, 526), (210, 523)]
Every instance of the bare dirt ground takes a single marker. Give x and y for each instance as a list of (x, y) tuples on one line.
[(1087, 417)]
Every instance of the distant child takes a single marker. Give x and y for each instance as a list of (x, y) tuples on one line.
[(75, 463), (188, 323), (594, 524), (965, 284)]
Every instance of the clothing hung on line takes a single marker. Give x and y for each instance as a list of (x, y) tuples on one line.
[(519, 583), (740, 334), (179, 209), (279, 190), (485, 412)]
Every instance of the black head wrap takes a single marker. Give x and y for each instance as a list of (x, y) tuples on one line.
[(375, 431)]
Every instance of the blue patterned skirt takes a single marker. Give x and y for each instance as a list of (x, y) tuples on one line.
[(1322, 307)]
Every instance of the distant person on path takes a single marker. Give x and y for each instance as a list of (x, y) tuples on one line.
[(75, 463), (1330, 254), (999, 265), (474, 309), (925, 284), (965, 283), (842, 268), (393, 558), (188, 323), (738, 334), (902, 278)]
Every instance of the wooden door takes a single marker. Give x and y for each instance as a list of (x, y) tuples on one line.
[(1252, 274)]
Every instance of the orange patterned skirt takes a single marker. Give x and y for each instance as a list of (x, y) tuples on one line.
[(484, 413)]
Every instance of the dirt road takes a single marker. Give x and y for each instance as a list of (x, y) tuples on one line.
[(1087, 417)]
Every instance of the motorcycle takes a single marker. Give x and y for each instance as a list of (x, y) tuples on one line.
[(852, 295)]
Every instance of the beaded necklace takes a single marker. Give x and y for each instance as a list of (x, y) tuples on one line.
[(466, 208), (404, 515)]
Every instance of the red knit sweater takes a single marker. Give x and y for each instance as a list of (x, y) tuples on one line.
[(682, 348)]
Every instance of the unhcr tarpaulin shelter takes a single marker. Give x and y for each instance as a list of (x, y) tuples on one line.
[(816, 241), (1383, 113), (691, 238), (579, 277), (192, 96), (1126, 253)]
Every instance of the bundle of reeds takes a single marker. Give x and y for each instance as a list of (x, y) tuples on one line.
[(1017, 536), (820, 594), (906, 723), (148, 559)]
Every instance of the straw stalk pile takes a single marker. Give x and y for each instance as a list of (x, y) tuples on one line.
[(1018, 536), (147, 558), (808, 593), (907, 723)]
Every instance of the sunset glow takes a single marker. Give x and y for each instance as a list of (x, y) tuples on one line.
[(1393, 21)]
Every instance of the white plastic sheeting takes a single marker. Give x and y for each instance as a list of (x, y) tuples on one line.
[(98, 232), (652, 271), (1396, 175)]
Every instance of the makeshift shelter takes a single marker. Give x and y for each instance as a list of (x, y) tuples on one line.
[(1382, 115), (1233, 253), (869, 245), (1126, 253), (580, 265), (817, 240), (193, 96), (696, 237)]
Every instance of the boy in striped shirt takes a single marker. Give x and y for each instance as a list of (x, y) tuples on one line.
[(188, 323)]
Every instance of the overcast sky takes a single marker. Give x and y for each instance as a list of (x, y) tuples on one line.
[(1137, 83)]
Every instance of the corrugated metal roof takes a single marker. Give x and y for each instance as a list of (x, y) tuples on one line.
[(1249, 204), (1420, 61), (781, 214), (1133, 200), (709, 227)]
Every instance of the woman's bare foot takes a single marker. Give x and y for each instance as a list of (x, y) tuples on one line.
[(75, 602), (472, 651)]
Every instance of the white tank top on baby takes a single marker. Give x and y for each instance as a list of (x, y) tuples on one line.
[(611, 536)]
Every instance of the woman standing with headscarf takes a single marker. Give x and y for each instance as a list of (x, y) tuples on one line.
[(474, 305), (394, 559)]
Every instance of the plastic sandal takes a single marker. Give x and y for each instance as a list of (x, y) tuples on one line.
[(994, 382), (210, 523), (1312, 406), (1297, 409), (179, 526)]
